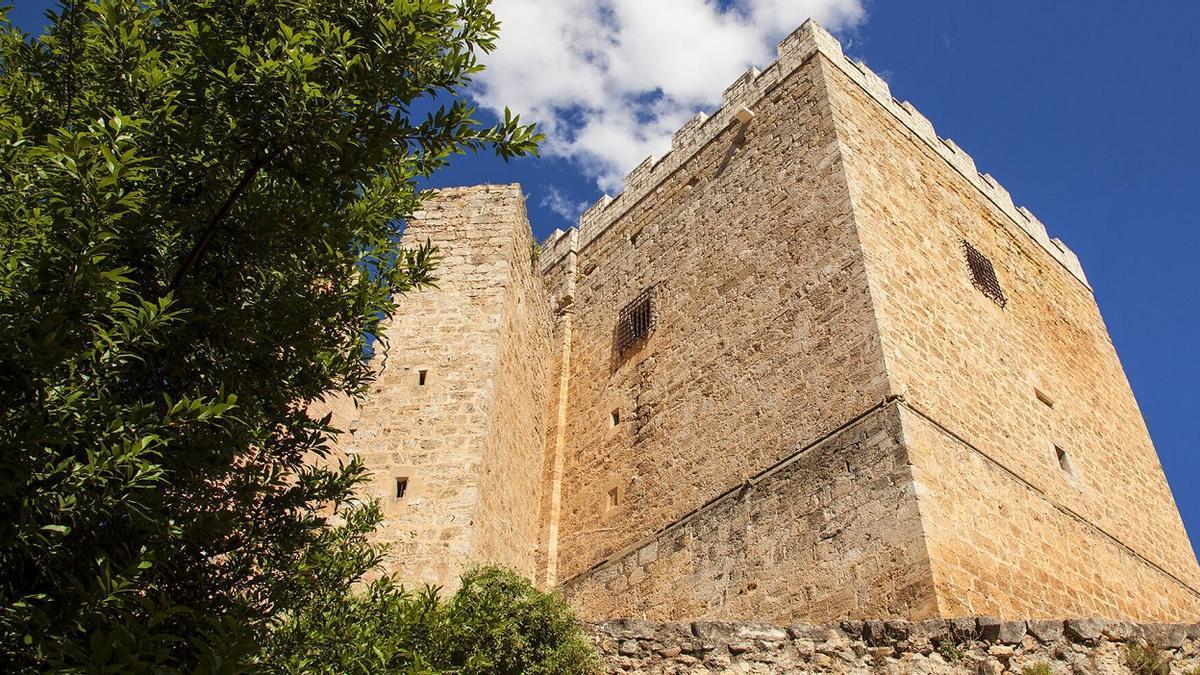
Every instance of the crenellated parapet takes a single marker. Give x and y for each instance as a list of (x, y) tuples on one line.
[(557, 246), (753, 85), (911, 118)]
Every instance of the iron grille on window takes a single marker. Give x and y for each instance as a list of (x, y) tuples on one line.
[(636, 320), (983, 275)]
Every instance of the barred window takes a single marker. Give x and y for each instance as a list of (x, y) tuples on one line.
[(983, 275), (636, 320)]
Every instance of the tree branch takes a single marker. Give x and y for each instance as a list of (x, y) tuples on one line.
[(194, 255)]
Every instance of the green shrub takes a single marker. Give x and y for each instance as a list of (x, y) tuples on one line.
[(497, 622), (1146, 659), (1039, 668), (950, 651)]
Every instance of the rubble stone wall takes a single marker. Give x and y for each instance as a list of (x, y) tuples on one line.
[(936, 646)]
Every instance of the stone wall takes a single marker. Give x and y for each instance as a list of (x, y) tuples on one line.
[(807, 262), (457, 410), (765, 340), (1019, 382), (1000, 547), (342, 412), (560, 284), (828, 419), (831, 531), (935, 646), (508, 520)]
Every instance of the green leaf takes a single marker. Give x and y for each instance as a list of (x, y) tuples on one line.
[(199, 225)]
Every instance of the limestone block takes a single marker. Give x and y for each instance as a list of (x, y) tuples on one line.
[(1084, 630)]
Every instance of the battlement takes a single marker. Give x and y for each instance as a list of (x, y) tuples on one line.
[(745, 93)]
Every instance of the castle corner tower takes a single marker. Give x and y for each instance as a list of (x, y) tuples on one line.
[(810, 364)]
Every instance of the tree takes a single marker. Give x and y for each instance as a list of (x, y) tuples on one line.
[(495, 624), (199, 218)]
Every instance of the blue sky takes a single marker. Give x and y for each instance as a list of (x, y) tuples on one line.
[(1085, 111)]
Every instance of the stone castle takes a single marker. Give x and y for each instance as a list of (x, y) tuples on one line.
[(810, 364)]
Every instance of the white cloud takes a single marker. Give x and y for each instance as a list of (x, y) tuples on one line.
[(610, 80), (558, 202)]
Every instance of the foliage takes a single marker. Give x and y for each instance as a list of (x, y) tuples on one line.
[(950, 651), (199, 212), (1039, 668), (496, 623), (1146, 659)]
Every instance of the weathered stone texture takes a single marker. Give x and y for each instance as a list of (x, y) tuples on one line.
[(827, 421), (342, 413), (560, 284), (469, 440), (934, 647), (508, 519), (1014, 382), (828, 533), (1000, 547), (765, 339)]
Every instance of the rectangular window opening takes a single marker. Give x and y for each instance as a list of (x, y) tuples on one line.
[(401, 487), (613, 499), (421, 375), (983, 274), (616, 417), (636, 320)]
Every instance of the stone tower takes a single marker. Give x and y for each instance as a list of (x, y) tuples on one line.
[(454, 426), (810, 364)]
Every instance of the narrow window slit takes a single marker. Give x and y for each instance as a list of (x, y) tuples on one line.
[(401, 487), (1041, 396), (616, 417), (1065, 463), (421, 375)]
